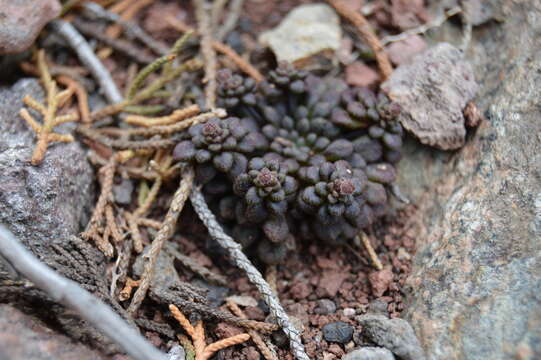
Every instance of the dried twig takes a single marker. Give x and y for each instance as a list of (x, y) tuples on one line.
[(363, 26), (167, 229), (436, 22), (119, 45), (233, 14), (89, 59), (466, 24), (133, 29), (82, 96), (242, 64), (373, 256), (211, 65), (176, 116), (239, 259), (44, 132), (256, 338), (196, 267), (73, 296), (197, 333)]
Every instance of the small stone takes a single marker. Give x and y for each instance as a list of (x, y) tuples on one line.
[(123, 192), (402, 51), (331, 281), (380, 280), (378, 307), (243, 300), (339, 332), (176, 353), (224, 330), (251, 353), (216, 294), (21, 21), (359, 74), (325, 307), (369, 353), (349, 312), (306, 31), (393, 334), (432, 91)]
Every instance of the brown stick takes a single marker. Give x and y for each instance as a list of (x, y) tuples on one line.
[(242, 64), (371, 252), (167, 229), (363, 26)]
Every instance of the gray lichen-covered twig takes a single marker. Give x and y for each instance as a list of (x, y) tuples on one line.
[(72, 295), (240, 260)]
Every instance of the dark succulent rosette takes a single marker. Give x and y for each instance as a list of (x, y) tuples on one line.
[(307, 157), (224, 145)]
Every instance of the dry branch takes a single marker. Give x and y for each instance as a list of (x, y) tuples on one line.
[(73, 296)]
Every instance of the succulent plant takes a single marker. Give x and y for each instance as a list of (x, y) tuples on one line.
[(305, 157)]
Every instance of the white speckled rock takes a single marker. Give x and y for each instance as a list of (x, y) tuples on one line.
[(306, 31)]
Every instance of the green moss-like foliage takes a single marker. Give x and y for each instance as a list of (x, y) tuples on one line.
[(298, 156)]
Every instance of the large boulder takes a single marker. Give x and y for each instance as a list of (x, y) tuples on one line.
[(474, 292), (41, 204)]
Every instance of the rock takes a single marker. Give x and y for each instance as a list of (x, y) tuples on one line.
[(176, 353), (433, 90), (325, 307), (216, 294), (407, 14), (378, 307), (24, 337), (349, 312), (359, 74), (243, 300), (339, 332), (22, 20), (123, 192), (42, 205), (380, 280), (474, 291), (401, 52), (331, 281), (369, 353), (394, 334), (306, 31)]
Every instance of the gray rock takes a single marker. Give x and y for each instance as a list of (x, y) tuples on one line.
[(123, 192), (433, 90), (44, 204), (325, 307), (393, 334), (24, 337), (378, 307), (22, 20), (475, 287), (369, 353), (339, 332), (176, 353), (306, 31)]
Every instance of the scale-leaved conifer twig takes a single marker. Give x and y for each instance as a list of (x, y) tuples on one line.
[(44, 131), (234, 250)]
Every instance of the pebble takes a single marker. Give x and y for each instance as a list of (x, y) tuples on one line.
[(349, 312), (359, 74), (339, 332), (325, 307), (369, 353), (378, 307), (432, 91), (395, 334), (306, 31), (123, 192), (21, 22), (402, 51)]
